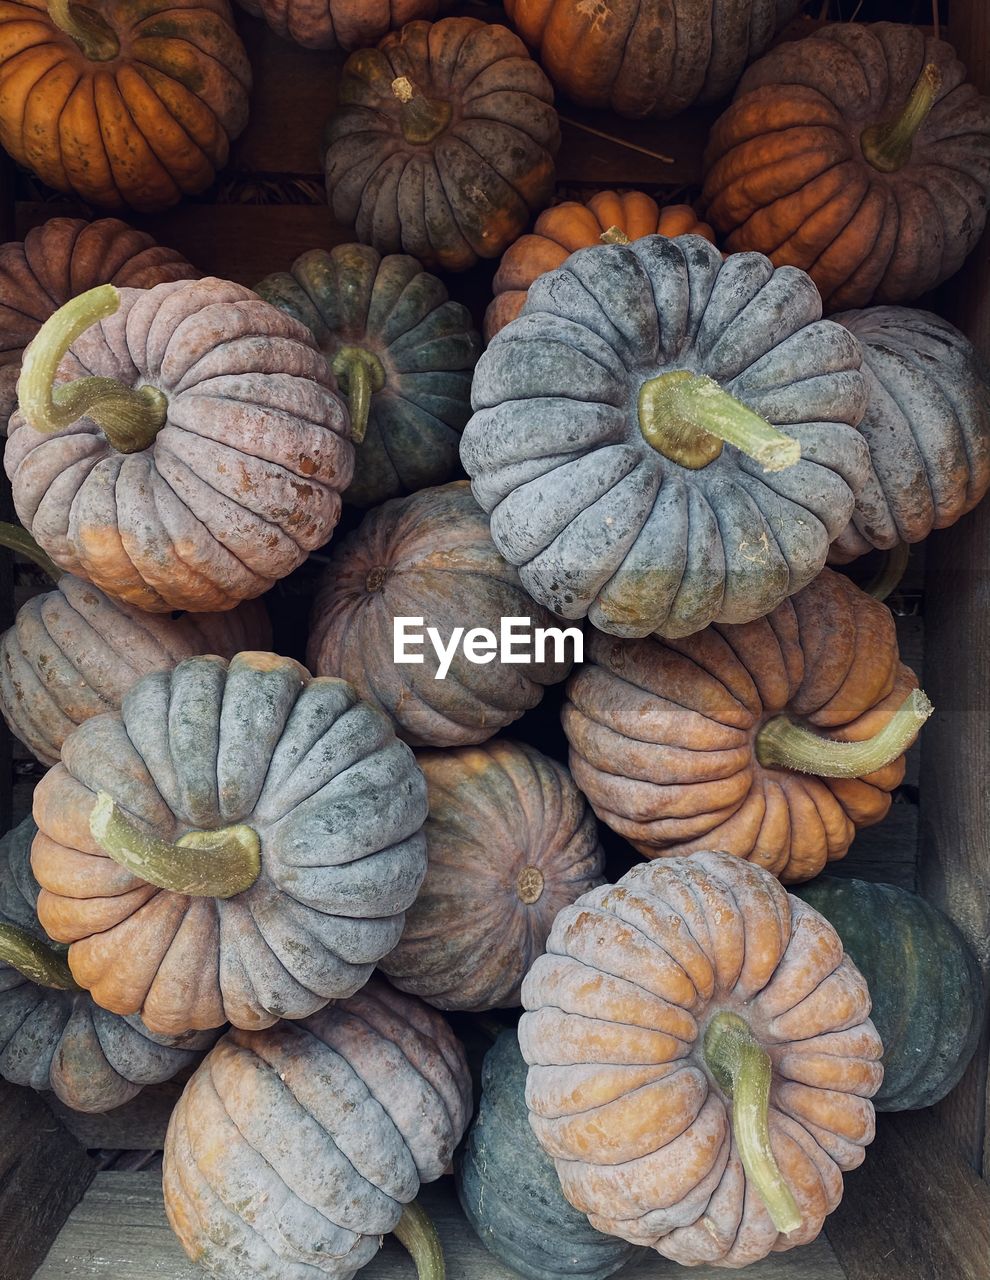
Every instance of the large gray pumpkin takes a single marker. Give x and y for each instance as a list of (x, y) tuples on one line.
[(592, 442)]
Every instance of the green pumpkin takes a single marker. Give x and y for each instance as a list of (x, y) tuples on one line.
[(924, 981), (509, 1189), (402, 352)]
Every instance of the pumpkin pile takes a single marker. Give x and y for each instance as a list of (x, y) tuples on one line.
[(311, 865)]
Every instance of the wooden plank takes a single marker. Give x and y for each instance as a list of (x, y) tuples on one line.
[(138, 1125), (887, 852)]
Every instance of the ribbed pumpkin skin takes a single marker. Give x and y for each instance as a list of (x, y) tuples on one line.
[(469, 191), (655, 57), (60, 1040), (924, 979), (338, 24), (73, 653), (663, 733), (510, 840), (336, 800), (240, 484), (293, 1151), (428, 556), (427, 346), (785, 173), (619, 1092), (604, 524), (927, 424), (142, 129), (573, 225), (61, 258), (509, 1190)]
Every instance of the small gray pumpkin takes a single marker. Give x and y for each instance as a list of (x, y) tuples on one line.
[(52, 1035), (606, 425)]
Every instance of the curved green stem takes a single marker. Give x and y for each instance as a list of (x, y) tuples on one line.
[(743, 1070), (614, 235), (212, 864), (130, 417), (360, 374), (39, 962), (416, 1232), (889, 577), (688, 417), (421, 119), (93, 36), (785, 744), (887, 147), (14, 538)]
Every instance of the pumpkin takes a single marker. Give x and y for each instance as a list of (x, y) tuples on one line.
[(774, 740), (701, 1060), (927, 424), (509, 841), (52, 1035), (203, 461), (607, 217), (293, 1151), (430, 557), (443, 142), (119, 103), (239, 844), (925, 982), (860, 154), (508, 1187), (651, 58), (338, 24), (63, 257), (601, 418), (401, 350)]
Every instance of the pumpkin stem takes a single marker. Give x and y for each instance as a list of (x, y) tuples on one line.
[(889, 577), (90, 32), (416, 1232), (421, 119), (743, 1070), (783, 742), (888, 146), (210, 864), (688, 417), (14, 538), (130, 417), (614, 235), (360, 374), (39, 962)]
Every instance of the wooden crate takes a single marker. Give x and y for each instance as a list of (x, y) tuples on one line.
[(919, 1209)]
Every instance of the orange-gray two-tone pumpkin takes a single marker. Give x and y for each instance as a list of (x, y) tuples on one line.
[(339, 24)]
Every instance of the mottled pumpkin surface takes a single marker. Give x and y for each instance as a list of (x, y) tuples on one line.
[(335, 799), (292, 1151), (786, 173), (454, 173), (620, 1093), (429, 556), (140, 113), (61, 1040), (63, 257), (339, 24), (423, 346), (601, 522), (663, 732), (927, 424), (510, 840), (238, 486)]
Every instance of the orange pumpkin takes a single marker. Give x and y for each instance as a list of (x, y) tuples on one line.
[(339, 24), (608, 217), (122, 102)]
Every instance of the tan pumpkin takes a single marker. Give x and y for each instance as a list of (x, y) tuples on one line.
[(339, 24)]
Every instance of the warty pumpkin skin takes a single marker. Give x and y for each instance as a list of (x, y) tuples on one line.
[(680, 745), (927, 424), (63, 257), (52, 1035), (293, 1151), (607, 217), (402, 351), (122, 102), (701, 1060), (509, 841), (663, 439), (239, 844), (430, 556), (860, 154), (339, 24), (208, 467), (443, 142)]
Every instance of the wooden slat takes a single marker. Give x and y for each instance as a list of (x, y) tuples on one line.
[(138, 1125)]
